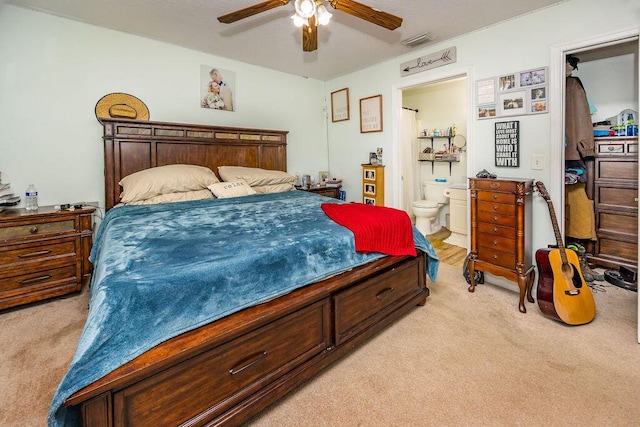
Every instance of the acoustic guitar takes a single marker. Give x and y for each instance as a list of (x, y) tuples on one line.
[(562, 291)]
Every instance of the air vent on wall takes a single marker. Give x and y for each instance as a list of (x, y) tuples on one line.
[(417, 40)]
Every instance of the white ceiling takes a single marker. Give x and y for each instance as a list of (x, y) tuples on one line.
[(270, 39)]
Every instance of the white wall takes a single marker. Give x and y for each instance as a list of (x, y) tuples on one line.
[(610, 85), (54, 70), (516, 45)]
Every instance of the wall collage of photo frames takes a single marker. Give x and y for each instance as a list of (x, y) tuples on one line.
[(515, 94)]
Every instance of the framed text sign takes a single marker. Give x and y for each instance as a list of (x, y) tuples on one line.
[(508, 144), (340, 105), (371, 114)]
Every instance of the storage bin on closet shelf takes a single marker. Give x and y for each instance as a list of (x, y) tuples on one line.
[(426, 210)]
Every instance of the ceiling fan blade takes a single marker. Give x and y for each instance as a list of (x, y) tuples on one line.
[(251, 10), (375, 16), (310, 36)]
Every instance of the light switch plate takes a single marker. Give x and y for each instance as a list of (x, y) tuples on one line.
[(537, 162)]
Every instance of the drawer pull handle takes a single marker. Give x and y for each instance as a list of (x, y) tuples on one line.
[(495, 208), (32, 254), (249, 362), (495, 243), (495, 218), (34, 229), (495, 257), (384, 293), (495, 197), (35, 279), (495, 230), (610, 148)]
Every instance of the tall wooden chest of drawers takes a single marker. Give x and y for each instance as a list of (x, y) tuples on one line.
[(43, 253), (616, 202), (501, 231)]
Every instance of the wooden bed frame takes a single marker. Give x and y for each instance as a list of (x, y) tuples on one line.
[(226, 372)]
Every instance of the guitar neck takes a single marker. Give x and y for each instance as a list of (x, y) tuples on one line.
[(556, 231)]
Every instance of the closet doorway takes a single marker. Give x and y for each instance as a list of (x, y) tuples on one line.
[(608, 69)]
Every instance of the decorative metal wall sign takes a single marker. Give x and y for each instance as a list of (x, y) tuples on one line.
[(424, 63), (508, 144)]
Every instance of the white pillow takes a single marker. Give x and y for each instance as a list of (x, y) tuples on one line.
[(274, 188), (255, 176), (176, 197), (152, 182), (236, 188)]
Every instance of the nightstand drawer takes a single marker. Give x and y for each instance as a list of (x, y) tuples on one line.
[(39, 279), (37, 230), (37, 252)]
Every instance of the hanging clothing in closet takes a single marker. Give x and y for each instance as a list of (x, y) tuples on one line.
[(579, 151), (578, 127)]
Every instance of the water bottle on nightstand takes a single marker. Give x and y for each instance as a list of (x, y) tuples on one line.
[(31, 199)]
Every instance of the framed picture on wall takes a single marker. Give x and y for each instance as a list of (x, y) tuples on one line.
[(371, 114), (340, 105), (533, 77), (217, 88), (507, 82), (512, 103)]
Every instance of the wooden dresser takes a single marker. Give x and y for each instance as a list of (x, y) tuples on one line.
[(616, 202), (501, 231), (43, 253)]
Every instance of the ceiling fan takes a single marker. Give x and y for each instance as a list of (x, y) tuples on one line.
[(311, 13)]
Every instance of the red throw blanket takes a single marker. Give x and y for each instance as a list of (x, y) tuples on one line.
[(375, 228)]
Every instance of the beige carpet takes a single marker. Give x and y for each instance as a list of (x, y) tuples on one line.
[(463, 359)]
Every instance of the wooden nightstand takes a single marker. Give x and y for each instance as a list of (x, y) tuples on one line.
[(324, 191), (43, 253)]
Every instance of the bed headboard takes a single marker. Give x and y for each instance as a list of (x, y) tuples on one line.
[(134, 145)]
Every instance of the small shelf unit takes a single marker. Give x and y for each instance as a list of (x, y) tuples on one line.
[(434, 160)]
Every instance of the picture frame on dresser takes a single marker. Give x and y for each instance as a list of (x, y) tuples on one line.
[(370, 174), (370, 189), (369, 201)]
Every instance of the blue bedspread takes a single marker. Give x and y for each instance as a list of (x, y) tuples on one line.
[(161, 270)]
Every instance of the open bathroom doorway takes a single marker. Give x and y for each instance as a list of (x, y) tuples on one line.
[(430, 109)]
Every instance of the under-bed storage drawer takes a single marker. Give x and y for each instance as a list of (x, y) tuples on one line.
[(212, 382), (359, 306)]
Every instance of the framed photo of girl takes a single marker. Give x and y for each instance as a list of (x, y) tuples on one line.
[(217, 88)]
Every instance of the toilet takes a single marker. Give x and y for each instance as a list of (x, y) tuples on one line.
[(426, 210)]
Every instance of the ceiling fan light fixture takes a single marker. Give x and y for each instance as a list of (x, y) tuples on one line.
[(298, 21), (305, 8), (323, 15)]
